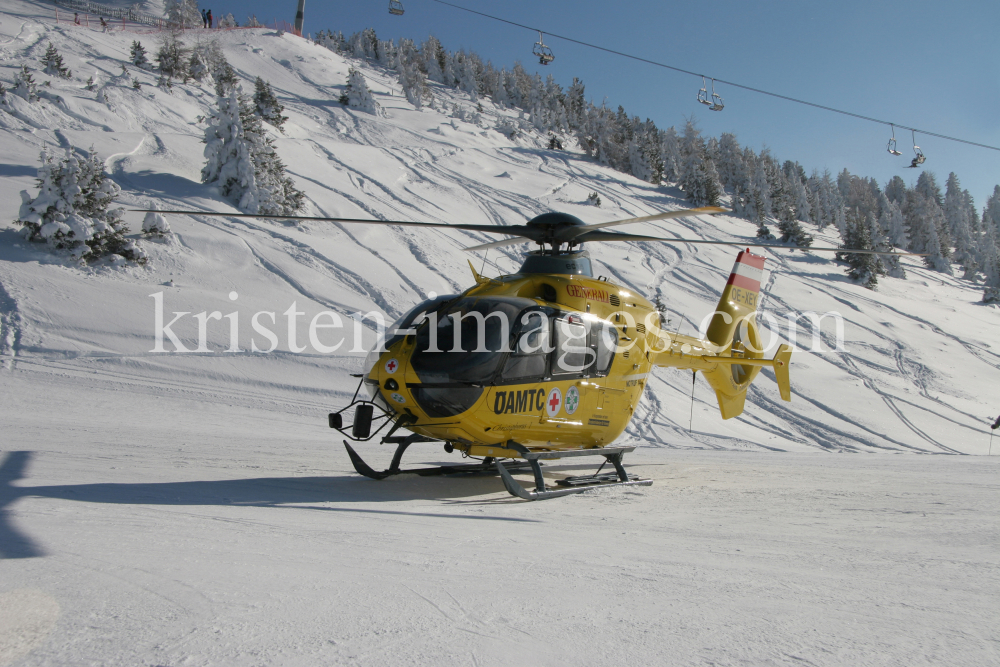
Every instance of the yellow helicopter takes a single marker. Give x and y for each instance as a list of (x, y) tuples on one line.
[(546, 363)]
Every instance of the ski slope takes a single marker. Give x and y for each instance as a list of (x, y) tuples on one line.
[(192, 508)]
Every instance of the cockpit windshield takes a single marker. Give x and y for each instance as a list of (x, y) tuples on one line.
[(464, 343), (403, 327)]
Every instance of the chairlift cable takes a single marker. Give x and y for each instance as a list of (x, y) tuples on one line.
[(728, 83)]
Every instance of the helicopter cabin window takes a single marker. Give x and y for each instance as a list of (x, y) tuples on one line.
[(468, 342), (606, 337), (529, 355), (574, 355)]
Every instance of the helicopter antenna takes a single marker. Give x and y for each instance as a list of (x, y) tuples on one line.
[(694, 376)]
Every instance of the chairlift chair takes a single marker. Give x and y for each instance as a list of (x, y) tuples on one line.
[(703, 93), (396, 7), (918, 158), (542, 52), (717, 104), (891, 146)]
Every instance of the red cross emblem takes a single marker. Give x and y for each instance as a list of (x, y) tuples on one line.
[(391, 366), (553, 402)]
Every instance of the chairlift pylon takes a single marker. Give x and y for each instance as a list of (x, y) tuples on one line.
[(396, 7), (918, 158), (891, 146), (542, 52), (717, 104), (703, 93)]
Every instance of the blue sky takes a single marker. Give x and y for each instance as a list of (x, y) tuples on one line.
[(923, 64)]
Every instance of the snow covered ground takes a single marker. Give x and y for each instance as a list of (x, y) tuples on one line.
[(139, 492)]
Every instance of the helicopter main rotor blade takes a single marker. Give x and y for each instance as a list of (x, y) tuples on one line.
[(615, 236), (488, 229), (704, 210), (499, 244)]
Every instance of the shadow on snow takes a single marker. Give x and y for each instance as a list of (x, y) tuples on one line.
[(287, 492)]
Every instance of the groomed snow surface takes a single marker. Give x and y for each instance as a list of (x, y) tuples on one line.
[(193, 509)]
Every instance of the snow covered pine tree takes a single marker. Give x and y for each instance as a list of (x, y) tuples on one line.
[(137, 54), (242, 160), (863, 268), (357, 96), (71, 211), (54, 65), (268, 106)]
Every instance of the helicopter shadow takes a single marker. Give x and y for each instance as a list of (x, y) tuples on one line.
[(329, 494)]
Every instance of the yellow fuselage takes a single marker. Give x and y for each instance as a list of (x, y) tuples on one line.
[(518, 412)]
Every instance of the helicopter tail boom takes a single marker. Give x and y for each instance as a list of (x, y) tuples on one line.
[(731, 355)]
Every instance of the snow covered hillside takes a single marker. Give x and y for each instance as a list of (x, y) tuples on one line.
[(918, 356), (99, 416)]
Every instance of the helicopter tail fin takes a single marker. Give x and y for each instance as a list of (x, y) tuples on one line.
[(733, 332), (739, 299)]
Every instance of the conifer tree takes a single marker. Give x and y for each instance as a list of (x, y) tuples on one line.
[(991, 212), (197, 66), (990, 260), (357, 96), (155, 225), (895, 191), (241, 158), (891, 222), (927, 229), (225, 77), (925, 224), (692, 177), (863, 268), (171, 56), (137, 54), (53, 62), (710, 185), (183, 13), (24, 85), (71, 210), (927, 186), (732, 171), (431, 59), (790, 227), (956, 213), (267, 105), (670, 155)]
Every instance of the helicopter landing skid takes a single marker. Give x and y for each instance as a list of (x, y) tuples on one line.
[(576, 484), (487, 467)]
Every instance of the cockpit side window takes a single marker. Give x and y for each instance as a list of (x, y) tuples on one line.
[(606, 338), (408, 323), (574, 354), (529, 357), (466, 342)]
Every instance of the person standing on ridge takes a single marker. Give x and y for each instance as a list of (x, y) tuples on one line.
[(209, 16), (204, 19)]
